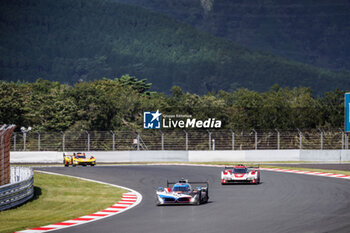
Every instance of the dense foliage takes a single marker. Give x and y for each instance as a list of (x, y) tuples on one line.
[(82, 40), (119, 103), (310, 31)]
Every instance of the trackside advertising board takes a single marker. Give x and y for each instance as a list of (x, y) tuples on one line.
[(347, 112)]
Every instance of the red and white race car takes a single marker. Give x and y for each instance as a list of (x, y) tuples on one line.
[(240, 174)]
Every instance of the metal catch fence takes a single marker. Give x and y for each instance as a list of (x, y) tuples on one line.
[(181, 140), (5, 137)]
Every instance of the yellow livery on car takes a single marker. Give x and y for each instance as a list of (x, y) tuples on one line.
[(78, 159)]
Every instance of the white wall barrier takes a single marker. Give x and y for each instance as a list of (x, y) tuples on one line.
[(325, 155), (36, 157), (210, 156), (188, 156), (159, 156), (272, 155)]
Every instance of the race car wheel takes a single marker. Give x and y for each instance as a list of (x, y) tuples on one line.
[(199, 200), (66, 165), (92, 165), (74, 165), (258, 180), (205, 200), (157, 201)]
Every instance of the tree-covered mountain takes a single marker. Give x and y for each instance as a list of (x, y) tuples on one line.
[(79, 40), (310, 31)]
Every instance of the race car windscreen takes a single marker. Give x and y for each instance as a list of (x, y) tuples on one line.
[(240, 170), (80, 156), (181, 188)]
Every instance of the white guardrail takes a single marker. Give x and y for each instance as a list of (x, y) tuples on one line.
[(19, 190)]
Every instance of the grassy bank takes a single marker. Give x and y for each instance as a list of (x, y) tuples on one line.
[(59, 198)]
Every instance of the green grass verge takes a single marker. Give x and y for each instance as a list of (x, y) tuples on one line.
[(59, 198)]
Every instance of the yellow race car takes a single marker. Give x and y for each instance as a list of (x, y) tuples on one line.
[(78, 159)]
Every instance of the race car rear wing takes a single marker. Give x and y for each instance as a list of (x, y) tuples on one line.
[(64, 155), (232, 167), (192, 182)]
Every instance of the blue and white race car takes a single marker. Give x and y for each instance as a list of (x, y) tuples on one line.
[(182, 193)]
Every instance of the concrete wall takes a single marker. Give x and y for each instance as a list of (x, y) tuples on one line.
[(210, 156), (325, 155), (160, 156), (36, 157), (188, 156), (272, 155)]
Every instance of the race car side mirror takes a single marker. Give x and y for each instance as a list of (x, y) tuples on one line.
[(160, 189)]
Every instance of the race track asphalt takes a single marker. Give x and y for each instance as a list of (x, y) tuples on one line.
[(282, 203)]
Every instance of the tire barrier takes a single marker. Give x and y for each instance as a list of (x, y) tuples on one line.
[(19, 191)]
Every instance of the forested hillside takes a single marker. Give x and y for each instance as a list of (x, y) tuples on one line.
[(310, 31), (118, 104), (80, 40)]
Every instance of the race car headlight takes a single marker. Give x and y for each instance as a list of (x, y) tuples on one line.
[(194, 198)]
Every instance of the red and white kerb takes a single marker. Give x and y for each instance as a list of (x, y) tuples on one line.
[(128, 201), (307, 172)]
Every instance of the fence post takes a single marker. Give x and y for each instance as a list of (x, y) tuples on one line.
[(38, 141), (138, 141), (342, 138), (256, 139), (278, 139), (162, 141), (186, 136), (213, 143), (113, 140), (321, 132), (88, 142), (25, 131), (300, 139), (63, 141), (2, 149), (209, 133), (24, 141), (233, 139), (345, 140), (14, 141)]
